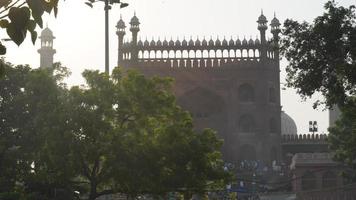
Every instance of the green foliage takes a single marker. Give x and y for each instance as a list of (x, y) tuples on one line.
[(28, 106), (20, 17), (322, 58), (342, 137), (134, 139), (322, 55), (119, 133)]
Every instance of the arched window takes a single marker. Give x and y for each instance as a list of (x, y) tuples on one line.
[(246, 93), (246, 124), (273, 126), (309, 181), (329, 179), (272, 95)]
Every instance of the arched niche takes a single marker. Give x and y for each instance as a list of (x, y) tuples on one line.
[(246, 124), (219, 53), (225, 53), (152, 54), (246, 93), (207, 108), (159, 54), (179, 54), (198, 54), (140, 55), (191, 54), (171, 54), (205, 54), (146, 54), (273, 128), (232, 53)]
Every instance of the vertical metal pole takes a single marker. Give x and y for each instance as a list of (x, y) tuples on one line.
[(107, 70)]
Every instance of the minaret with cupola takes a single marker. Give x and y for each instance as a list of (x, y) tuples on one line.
[(275, 30), (46, 51), (135, 28), (262, 27), (121, 26)]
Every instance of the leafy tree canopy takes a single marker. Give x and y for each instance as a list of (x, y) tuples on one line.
[(322, 58), (122, 133), (322, 55)]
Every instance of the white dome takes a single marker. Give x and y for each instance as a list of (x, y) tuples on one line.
[(288, 126)]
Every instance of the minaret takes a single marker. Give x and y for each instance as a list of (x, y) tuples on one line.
[(275, 30), (120, 33), (46, 51), (135, 28), (262, 27)]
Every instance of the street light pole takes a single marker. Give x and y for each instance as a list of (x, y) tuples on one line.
[(107, 8)]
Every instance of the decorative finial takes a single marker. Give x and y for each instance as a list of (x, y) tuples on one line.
[(275, 14), (135, 13), (261, 11), (121, 16)]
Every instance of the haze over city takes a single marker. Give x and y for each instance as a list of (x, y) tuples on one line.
[(79, 32)]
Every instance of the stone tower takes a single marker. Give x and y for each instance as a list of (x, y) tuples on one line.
[(231, 86), (46, 51)]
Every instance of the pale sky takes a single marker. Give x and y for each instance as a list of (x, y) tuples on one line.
[(79, 32)]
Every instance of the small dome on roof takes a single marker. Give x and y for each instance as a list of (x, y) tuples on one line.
[(257, 41), (178, 43), (204, 42), (135, 21), (218, 42), (288, 126), (275, 22), (152, 43), (238, 41), (47, 33), (184, 42), (159, 43), (251, 42), (121, 24), (171, 42), (197, 42), (211, 42), (244, 41), (231, 42), (191, 42), (146, 43), (140, 43), (165, 42), (224, 42), (262, 18)]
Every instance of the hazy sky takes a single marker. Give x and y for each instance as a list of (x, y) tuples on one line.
[(79, 32)]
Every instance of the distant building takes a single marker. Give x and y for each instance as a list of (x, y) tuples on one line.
[(46, 51), (229, 85), (288, 126)]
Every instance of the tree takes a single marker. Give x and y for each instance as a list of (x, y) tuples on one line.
[(28, 106), (322, 55), (120, 133), (322, 58), (128, 135), (343, 138)]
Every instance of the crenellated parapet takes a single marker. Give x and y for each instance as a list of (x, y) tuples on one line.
[(198, 52), (305, 139)]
